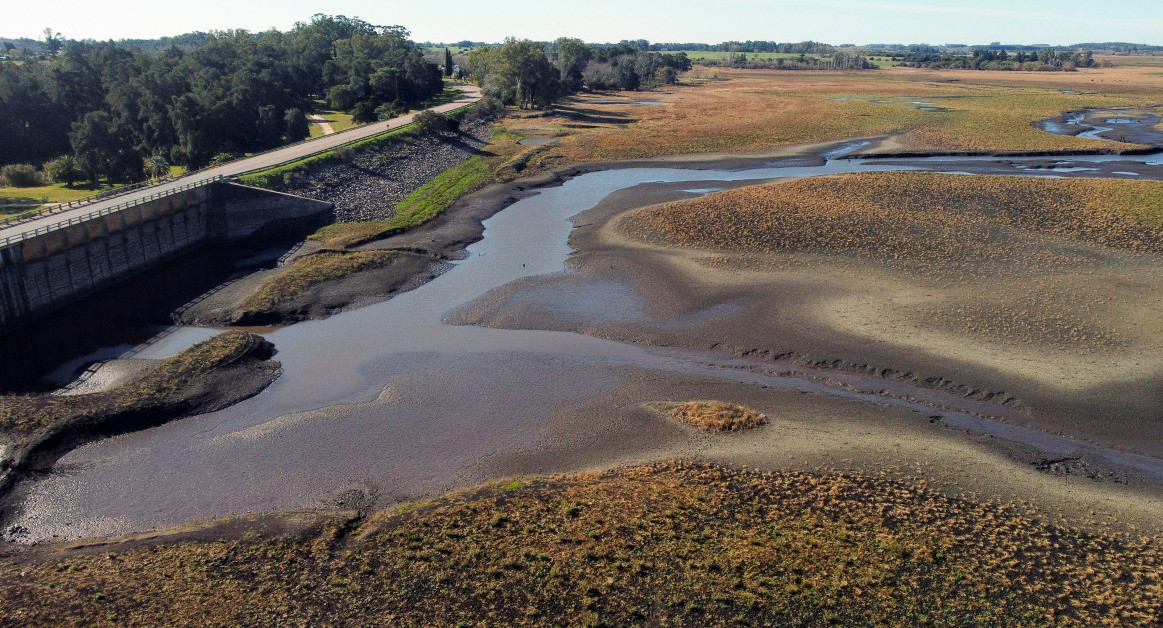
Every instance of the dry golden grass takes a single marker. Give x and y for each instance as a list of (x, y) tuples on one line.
[(1017, 268), (25, 415), (312, 270), (937, 224), (670, 544), (714, 416), (758, 110)]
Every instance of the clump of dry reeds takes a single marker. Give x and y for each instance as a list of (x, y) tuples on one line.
[(715, 416)]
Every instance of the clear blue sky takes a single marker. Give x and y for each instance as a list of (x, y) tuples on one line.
[(1054, 22)]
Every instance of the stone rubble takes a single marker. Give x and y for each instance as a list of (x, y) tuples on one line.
[(369, 186)]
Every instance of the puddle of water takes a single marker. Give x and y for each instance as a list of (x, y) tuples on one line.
[(930, 109), (845, 149), (167, 342), (702, 190), (1135, 130), (537, 141), (69, 371), (1126, 173)]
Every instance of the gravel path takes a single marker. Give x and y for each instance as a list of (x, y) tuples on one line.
[(323, 123), (370, 185)]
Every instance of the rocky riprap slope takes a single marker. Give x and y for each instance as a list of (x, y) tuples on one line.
[(370, 184)]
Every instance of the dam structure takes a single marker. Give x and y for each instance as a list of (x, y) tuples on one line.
[(69, 252), (47, 267)]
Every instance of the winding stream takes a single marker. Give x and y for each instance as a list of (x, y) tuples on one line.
[(388, 399)]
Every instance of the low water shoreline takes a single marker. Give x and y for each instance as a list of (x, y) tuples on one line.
[(361, 404)]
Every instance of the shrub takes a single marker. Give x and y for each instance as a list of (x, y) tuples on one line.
[(63, 169), (157, 167), (21, 176), (430, 123), (486, 108), (222, 158)]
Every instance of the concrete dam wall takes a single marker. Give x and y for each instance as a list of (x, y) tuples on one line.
[(47, 271)]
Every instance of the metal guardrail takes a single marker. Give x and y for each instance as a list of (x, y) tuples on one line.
[(333, 135), (76, 220), (81, 202), (88, 200)]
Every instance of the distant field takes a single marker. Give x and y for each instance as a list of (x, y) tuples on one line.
[(725, 110), (883, 62), (1154, 61), (699, 55)]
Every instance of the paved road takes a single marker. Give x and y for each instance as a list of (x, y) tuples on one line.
[(469, 94)]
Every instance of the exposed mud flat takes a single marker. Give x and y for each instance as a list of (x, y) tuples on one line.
[(824, 311), (1130, 126), (388, 403)]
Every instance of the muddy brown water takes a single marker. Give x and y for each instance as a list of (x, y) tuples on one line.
[(389, 402)]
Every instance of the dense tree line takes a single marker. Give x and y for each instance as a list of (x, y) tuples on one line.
[(1046, 59), (530, 74), (795, 48), (117, 109), (1121, 47), (836, 61)]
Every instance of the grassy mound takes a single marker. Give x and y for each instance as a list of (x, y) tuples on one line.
[(312, 270), (715, 416), (209, 376), (29, 414), (934, 223), (660, 545)]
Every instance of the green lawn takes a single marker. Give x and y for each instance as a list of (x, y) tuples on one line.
[(450, 94), (16, 200), (338, 120)]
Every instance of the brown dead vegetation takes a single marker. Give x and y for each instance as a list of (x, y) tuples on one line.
[(714, 416), (670, 544)]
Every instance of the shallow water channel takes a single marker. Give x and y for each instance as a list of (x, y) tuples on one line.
[(389, 402)]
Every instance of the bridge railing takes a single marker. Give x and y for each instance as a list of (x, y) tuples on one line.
[(105, 211), (332, 136), (81, 202), (75, 204)]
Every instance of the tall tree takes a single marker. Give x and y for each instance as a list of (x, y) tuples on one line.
[(572, 57)]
